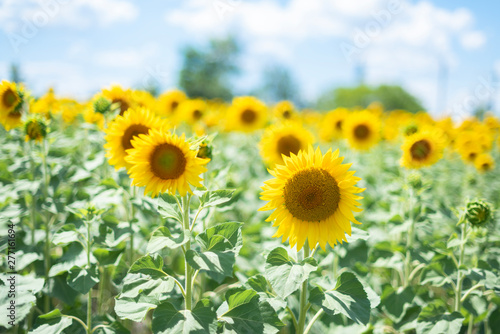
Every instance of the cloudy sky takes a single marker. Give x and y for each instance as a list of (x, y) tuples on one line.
[(79, 46)]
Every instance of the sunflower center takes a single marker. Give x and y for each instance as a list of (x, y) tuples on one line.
[(15, 114), (132, 131), (361, 131), (287, 114), (197, 114), (312, 195), (123, 105), (288, 144), (338, 125), (174, 105), (420, 149), (9, 98), (248, 116), (168, 162), (472, 156), (486, 166)]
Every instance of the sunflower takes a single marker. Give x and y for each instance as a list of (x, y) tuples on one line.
[(247, 114), (169, 101), (422, 149), (35, 129), (192, 111), (92, 117), (313, 197), (484, 163), (122, 98), (284, 139), (164, 162), (11, 103), (331, 127), (284, 110), (362, 130), (124, 128)]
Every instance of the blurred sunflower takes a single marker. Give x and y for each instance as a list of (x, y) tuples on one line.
[(11, 105), (92, 117), (284, 110), (484, 162), (192, 111), (284, 139), (362, 130), (470, 151), (331, 127), (422, 149), (120, 97), (35, 129), (169, 101), (164, 162), (313, 197), (124, 128), (247, 114)]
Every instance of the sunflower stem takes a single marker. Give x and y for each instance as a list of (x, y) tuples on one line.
[(188, 286), (458, 290), (89, 296), (303, 298), (410, 240)]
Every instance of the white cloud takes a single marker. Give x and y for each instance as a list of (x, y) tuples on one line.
[(17, 14), (473, 40), (127, 58)]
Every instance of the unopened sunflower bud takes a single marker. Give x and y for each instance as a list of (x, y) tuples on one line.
[(35, 129), (478, 213), (204, 151), (102, 105), (410, 130), (415, 180)]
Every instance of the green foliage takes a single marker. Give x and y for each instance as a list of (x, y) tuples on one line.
[(207, 74), (391, 97)]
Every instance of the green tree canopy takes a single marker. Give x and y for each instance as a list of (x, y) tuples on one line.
[(392, 97), (206, 73), (278, 84)]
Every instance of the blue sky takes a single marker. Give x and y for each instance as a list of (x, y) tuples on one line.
[(80, 46)]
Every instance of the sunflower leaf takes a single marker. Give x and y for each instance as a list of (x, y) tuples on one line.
[(201, 319), (285, 276), (348, 298), (83, 279), (217, 197), (163, 238), (434, 318), (51, 323), (244, 312), (168, 207)]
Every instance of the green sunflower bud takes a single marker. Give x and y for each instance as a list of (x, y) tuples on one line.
[(35, 129), (204, 151), (410, 129), (102, 105), (478, 213), (415, 180)]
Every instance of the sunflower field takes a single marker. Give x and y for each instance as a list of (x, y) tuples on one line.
[(130, 213)]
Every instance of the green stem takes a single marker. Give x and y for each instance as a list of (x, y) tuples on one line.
[(131, 210), (47, 264), (46, 175), (303, 298), (471, 324), (318, 315), (409, 241), (188, 286), (89, 297), (458, 290)]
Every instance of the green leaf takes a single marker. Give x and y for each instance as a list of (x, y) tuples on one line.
[(244, 312), (75, 255), (149, 265), (217, 197), (51, 323), (26, 287), (356, 234), (162, 238), (168, 207), (434, 319), (83, 279), (140, 293), (483, 276), (114, 328), (66, 235), (348, 298), (201, 320), (220, 244), (395, 302), (285, 276), (107, 257)]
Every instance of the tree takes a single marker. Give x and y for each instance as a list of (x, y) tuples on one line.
[(392, 97), (277, 85), (207, 74), (15, 73)]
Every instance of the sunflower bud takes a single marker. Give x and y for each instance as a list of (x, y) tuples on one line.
[(204, 151), (415, 180), (410, 130), (35, 129), (478, 213), (102, 105)]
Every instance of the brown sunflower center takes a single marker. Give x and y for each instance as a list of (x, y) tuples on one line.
[(288, 144), (312, 195), (420, 149), (132, 131), (168, 162), (486, 166), (123, 105), (9, 98), (174, 105), (15, 114), (361, 132), (338, 125), (197, 114), (472, 156), (287, 114), (248, 116)]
